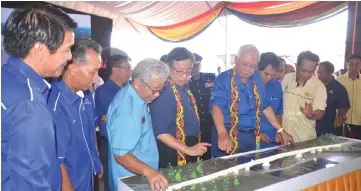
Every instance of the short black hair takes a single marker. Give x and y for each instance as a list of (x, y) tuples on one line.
[(282, 60), (80, 47), (163, 58), (41, 23), (197, 58), (329, 68), (307, 55), (179, 54), (113, 58), (268, 58), (353, 56)]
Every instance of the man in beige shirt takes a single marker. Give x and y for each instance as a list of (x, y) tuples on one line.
[(352, 82), (304, 98)]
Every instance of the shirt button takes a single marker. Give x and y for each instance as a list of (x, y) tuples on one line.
[(200, 98), (201, 105), (202, 112)]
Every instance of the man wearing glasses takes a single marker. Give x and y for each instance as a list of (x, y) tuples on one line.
[(119, 69), (175, 114), (132, 144), (237, 101)]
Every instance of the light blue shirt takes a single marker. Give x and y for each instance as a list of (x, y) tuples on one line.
[(129, 129)]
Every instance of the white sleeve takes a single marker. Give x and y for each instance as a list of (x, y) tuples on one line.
[(319, 102)]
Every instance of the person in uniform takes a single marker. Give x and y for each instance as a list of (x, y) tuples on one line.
[(132, 144), (39, 49), (117, 64), (268, 67), (73, 110), (237, 101), (175, 114), (352, 82), (201, 85), (337, 101), (304, 98)]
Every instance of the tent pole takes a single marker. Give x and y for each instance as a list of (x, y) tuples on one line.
[(226, 63)]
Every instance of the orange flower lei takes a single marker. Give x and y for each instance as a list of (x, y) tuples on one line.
[(180, 134), (234, 115)]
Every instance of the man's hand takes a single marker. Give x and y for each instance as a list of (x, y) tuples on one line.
[(101, 174), (104, 119), (338, 122), (264, 138), (197, 150), (224, 142), (156, 180), (287, 138), (307, 110), (279, 139)]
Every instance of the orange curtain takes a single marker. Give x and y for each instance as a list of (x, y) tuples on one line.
[(262, 13), (348, 182), (187, 29)]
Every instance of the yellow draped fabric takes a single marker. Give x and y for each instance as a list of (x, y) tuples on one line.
[(347, 182), (187, 29)]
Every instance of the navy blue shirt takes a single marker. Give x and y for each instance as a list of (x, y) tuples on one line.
[(274, 95), (164, 112), (28, 151), (337, 97), (104, 95), (74, 116)]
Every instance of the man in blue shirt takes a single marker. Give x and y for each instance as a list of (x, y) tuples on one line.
[(268, 67), (38, 49), (234, 103), (117, 64), (175, 114), (73, 111), (133, 149), (337, 101)]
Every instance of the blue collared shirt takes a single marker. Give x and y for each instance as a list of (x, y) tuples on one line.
[(28, 150), (164, 112), (221, 97), (129, 128), (74, 118), (104, 95), (274, 96), (337, 98)]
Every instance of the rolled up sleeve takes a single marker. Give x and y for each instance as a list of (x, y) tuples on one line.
[(319, 102), (32, 151), (124, 134), (279, 93)]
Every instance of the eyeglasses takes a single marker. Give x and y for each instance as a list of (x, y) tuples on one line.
[(154, 92), (181, 72)]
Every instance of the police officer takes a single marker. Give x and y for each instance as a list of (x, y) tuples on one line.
[(201, 86)]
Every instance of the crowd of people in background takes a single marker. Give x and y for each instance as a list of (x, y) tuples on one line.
[(162, 113)]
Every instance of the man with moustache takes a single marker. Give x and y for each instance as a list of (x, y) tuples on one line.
[(304, 98), (337, 101), (175, 114), (268, 67), (237, 101), (119, 69), (352, 82), (38, 39), (281, 70), (73, 110), (132, 144)]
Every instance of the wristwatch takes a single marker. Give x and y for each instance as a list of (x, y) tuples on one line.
[(312, 116)]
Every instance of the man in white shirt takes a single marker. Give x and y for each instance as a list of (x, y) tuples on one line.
[(304, 98)]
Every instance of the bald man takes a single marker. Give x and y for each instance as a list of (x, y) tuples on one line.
[(237, 101)]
